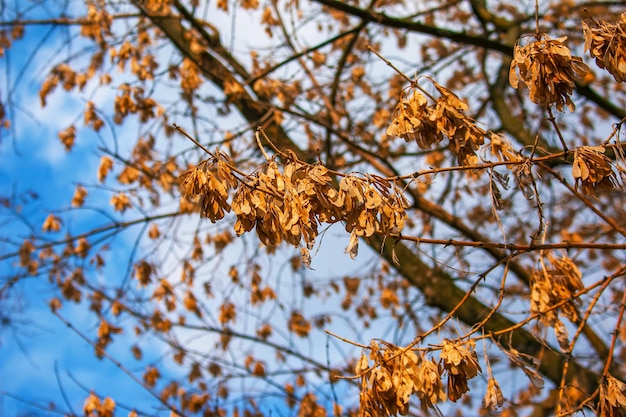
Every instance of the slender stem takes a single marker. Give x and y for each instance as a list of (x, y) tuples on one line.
[(63, 20), (537, 17), (188, 136), (614, 335), (579, 331), (556, 128), (386, 61), (343, 339), (117, 363), (260, 145)]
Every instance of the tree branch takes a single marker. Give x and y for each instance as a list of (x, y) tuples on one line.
[(438, 287), (480, 41)]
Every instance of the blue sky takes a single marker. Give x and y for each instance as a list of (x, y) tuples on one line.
[(41, 360)]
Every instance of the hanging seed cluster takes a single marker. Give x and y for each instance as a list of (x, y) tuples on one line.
[(607, 44), (557, 281), (553, 284), (461, 363), (612, 397), (593, 170), (399, 373), (427, 123), (286, 201), (549, 70)]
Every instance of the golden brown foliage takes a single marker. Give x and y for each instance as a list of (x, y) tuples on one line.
[(415, 119), (287, 201), (593, 170), (606, 43), (549, 70), (491, 242)]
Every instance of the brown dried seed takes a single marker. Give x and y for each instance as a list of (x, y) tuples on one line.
[(548, 69)]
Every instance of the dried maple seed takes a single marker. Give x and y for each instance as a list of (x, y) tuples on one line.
[(493, 396), (427, 124), (397, 374), (461, 363), (607, 44), (612, 397), (593, 170), (549, 70)]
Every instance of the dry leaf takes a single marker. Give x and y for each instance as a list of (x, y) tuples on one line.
[(120, 202), (299, 325), (51, 224), (79, 196), (548, 69), (607, 44), (67, 137), (593, 170), (106, 164), (493, 396)]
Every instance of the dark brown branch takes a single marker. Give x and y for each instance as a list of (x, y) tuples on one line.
[(513, 246), (215, 71), (438, 287), (440, 291), (460, 37), (388, 21), (302, 53)]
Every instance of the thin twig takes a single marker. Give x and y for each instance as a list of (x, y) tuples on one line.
[(188, 136), (552, 120), (386, 61), (610, 221), (307, 51), (511, 246), (63, 393), (117, 363), (98, 230), (260, 145), (537, 17), (556, 306), (63, 20), (343, 339), (579, 331), (615, 333)]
